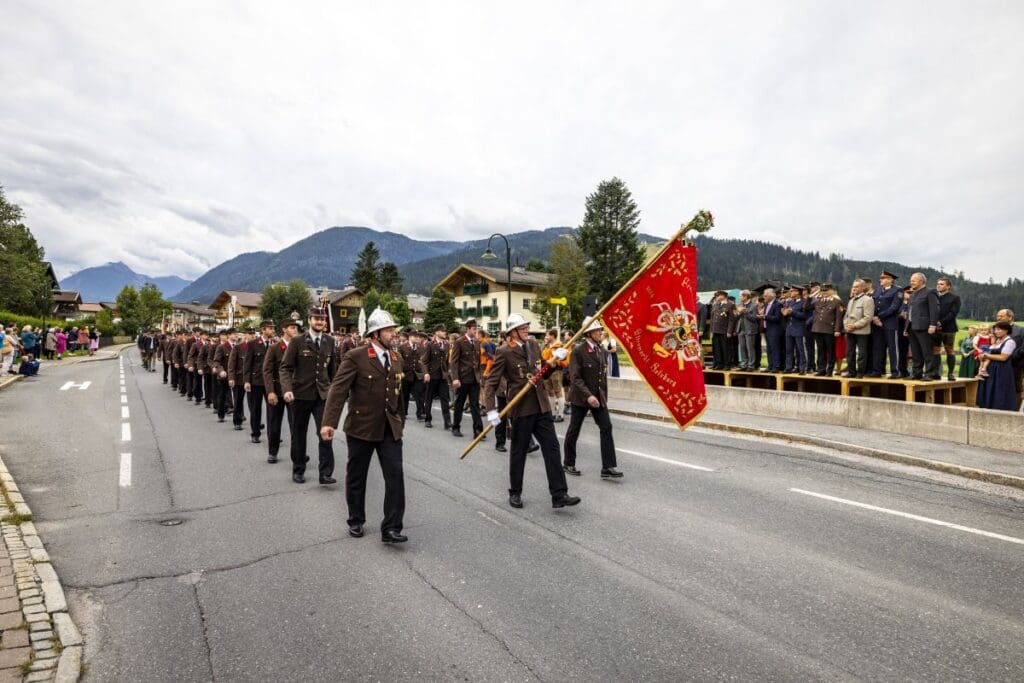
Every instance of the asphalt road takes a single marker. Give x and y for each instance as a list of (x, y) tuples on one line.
[(739, 570)]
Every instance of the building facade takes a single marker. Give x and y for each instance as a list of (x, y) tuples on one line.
[(233, 308), (481, 293)]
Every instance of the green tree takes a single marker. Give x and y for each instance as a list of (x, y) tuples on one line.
[(366, 274), (608, 237), (569, 279), (440, 311), (371, 301), (538, 266), (127, 301), (141, 309), (24, 286), (281, 299), (390, 280), (397, 306), (105, 323)]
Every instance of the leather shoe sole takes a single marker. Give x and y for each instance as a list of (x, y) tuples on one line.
[(392, 537), (610, 474), (298, 479), (501, 449), (515, 500), (565, 501), (272, 459), (356, 531), (569, 469), (328, 480)]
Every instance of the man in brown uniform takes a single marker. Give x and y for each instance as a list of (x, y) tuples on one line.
[(219, 368), (235, 381), (307, 368), (588, 382), (412, 382), (723, 326), (516, 363), (252, 376), (434, 368), (465, 372), (370, 381), (827, 326), (181, 358), (276, 407)]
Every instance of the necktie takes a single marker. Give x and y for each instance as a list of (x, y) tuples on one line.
[(317, 342), (387, 362)]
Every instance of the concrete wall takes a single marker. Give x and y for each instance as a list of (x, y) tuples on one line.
[(984, 428)]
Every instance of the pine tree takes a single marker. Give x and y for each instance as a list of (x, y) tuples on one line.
[(569, 279), (24, 287), (390, 280), (366, 274), (608, 237), (440, 311)]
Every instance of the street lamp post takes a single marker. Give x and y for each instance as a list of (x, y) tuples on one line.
[(489, 255)]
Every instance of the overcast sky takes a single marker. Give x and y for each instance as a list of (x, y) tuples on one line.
[(176, 135)]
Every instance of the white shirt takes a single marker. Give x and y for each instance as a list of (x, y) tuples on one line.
[(381, 353)]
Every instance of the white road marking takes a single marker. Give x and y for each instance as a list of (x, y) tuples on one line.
[(666, 460), (907, 515), (488, 518), (124, 390), (124, 399), (126, 431), (124, 412), (81, 387), (125, 477)]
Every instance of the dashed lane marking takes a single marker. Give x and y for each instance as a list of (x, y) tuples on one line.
[(124, 412), (125, 474), (908, 515), (126, 431), (124, 399)]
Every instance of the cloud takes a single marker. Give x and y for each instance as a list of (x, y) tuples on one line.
[(175, 136)]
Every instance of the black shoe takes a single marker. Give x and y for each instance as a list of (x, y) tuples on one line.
[(515, 500), (392, 536), (565, 500), (299, 478), (874, 375), (238, 428), (534, 448), (567, 410), (951, 378), (928, 378), (255, 439), (325, 481), (819, 374), (896, 375), (448, 427), (571, 469), (457, 432), (220, 419), (558, 418), (428, 425), (501, 448), (611, 473), (419, 418), (355, 530), (271, 459)]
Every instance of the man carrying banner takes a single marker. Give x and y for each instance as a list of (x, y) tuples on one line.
[(588, 392), (517, 363)]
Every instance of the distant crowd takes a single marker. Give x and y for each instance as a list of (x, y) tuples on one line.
[(899, 333), (20, 352)]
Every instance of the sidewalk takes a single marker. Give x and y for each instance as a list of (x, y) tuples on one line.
[(997, 467), (108, 353)]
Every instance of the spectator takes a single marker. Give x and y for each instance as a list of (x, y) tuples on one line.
[(924, 323), (774, 331), (747, 329), (94, 340), (29, 339), (857, 323), (996, 391), (1017, 335), (50, 345), (968, 357), (73, 340), (613, 358), (61, 340), (29, 366), (12, 348), (945, 337), (83, 338)]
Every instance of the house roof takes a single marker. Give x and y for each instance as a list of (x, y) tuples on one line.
[(246, 299), (68, 297), (194, 308), (526, 278), (89, 308), (417, 302)]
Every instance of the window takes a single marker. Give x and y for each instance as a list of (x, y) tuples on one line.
[(526, 304), (494, 307), (493, 328)]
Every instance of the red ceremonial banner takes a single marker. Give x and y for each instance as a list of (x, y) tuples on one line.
[(655, 322)]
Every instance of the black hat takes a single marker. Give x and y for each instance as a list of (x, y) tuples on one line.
[(266, 323), (316, 311), (471, 323), (439, 328), (886, 273), (798, 288), (249, 329), (285, 322), (721, 292), (225, 331), (828, 285), (197, 329), (812, 284)]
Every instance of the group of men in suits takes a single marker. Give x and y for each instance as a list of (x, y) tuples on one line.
[(799, 327)]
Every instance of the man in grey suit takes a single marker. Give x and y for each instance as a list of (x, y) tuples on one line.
[(923, 312), (747, 329)]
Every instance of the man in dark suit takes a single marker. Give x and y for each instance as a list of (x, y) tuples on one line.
[(1017, 360), (774, 331), (794, 309), (885, 327), (465, 372), (276, 407), (945, 335), (219, 368), (412, 381), (370, 381), (307, 369), (723, 326), (827, 326), (252, 377), (923, 316), (588, 392), (434, 368)]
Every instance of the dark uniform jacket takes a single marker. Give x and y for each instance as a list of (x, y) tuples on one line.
[(272, 367), (588, 375), (235, 364), (516, 363), (306, 371), (828, 315), (465, 362), (410, 362), (205, 356), (191, 348), (252, 361), (797, 326), (923, 309), (887, 306), (220, 359), (434, 360), (723, 314), (372, 394), (949, 309)]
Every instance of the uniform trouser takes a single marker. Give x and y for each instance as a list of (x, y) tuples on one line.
[(174, 377), (776, 340), (747, 350), (886, 343), (720, 350), (255, 396), (411, 390), (221, 393), (796, 354), (418, 391), (184, 382), (437, 388), (167, 370), (501, 431), (302, 410), (472, 392), (904, 352), (826, 343), (198, 384), (389, 453), (809, 345), (857, 353), (275, 416), (542, 426), (208, 382), (734, 351), (604, 425), (924, 359), (238, 398)]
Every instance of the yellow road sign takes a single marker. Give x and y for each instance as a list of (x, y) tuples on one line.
[(559, 301)]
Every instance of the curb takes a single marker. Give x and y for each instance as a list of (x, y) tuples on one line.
[(12, 380), (56, 644), (917, 461)]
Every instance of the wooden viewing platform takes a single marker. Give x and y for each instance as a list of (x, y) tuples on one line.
[(959, 392)]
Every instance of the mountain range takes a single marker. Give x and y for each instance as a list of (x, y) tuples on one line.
[(103, 283)]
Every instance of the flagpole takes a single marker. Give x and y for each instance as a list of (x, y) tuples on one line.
[(702, 222)]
